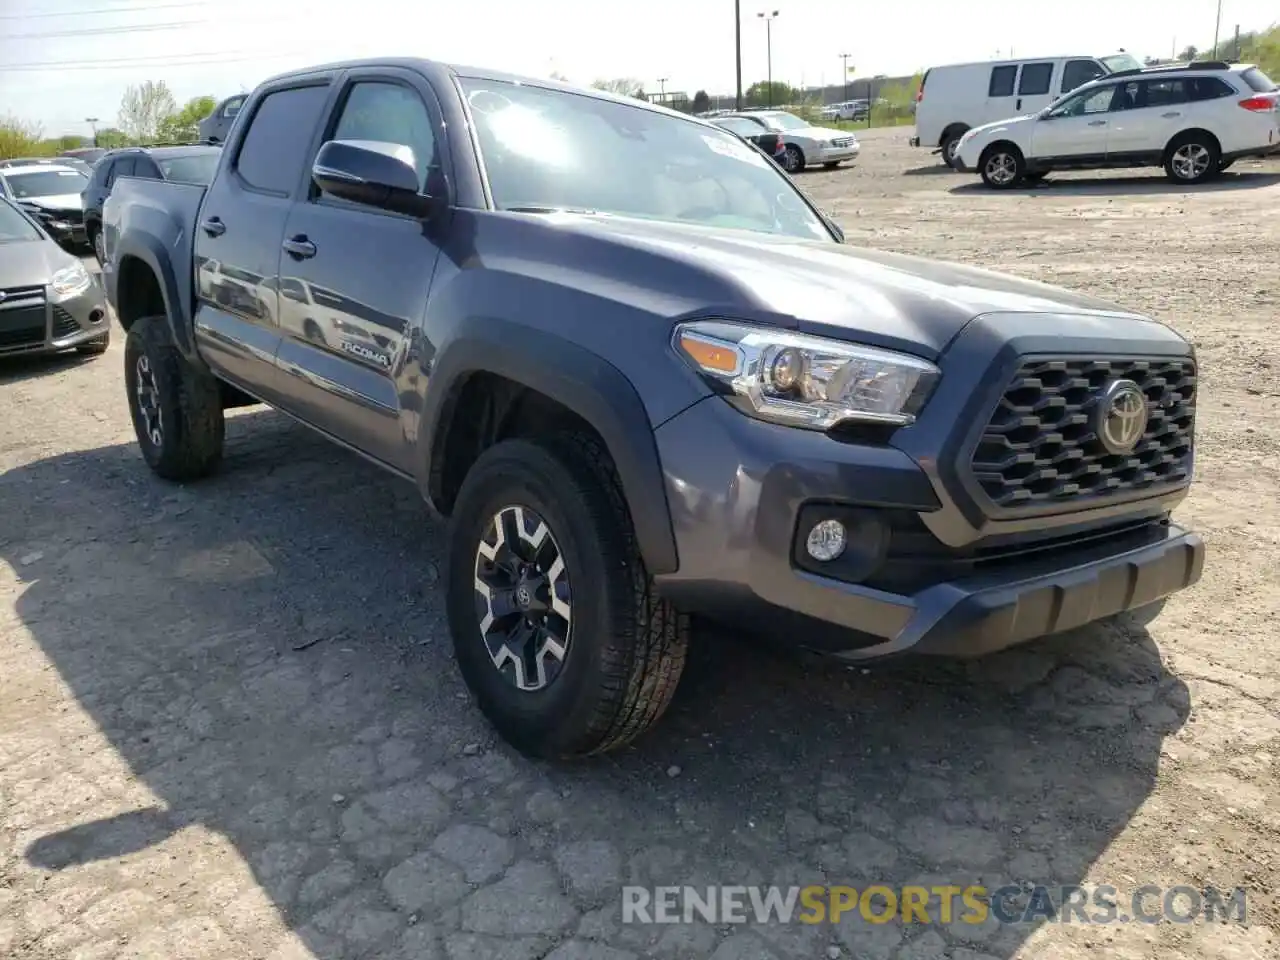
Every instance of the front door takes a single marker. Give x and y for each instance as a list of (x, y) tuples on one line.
[(237, 240), (354, 280), (1075, 131)]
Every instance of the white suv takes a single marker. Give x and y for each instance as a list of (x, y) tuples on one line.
[(1195, 120)]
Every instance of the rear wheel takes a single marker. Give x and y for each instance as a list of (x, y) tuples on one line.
[(949, 147), (1002, 166), (176, 408), (555, 624), (1192, 158), (99, 246), (793, 160)]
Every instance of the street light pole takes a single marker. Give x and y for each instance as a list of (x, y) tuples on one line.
[(844, 72), (737, 50), (662, 89), (768, 19), (1217, 25), (93, 125)]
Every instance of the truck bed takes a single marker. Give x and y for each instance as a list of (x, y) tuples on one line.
[(156, 221)]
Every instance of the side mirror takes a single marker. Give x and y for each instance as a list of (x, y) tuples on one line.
[(371, 172)]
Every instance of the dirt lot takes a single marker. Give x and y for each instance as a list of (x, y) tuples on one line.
[(230, 725)]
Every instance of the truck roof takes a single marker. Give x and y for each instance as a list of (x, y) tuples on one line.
[(426, 67)]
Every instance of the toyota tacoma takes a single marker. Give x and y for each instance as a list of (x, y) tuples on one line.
[(645, 379)]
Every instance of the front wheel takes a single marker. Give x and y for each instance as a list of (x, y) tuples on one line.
[(793, 159), (176, 408), (1192, 158), (1002, 166), (99, 247), (555, 624)]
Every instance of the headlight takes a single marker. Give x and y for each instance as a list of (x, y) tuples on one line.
[(807, 381), (70, 281)]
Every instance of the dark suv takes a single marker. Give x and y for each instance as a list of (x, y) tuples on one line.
[(187, 164), (215, 127)]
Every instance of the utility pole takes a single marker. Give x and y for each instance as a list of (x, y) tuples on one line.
[(1217, 24), (662, 89), (1235, 55), (737, 49), (844, 72), (93, 125), (768, 19)]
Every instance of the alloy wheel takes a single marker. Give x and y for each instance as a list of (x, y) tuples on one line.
[(524, 602), (1190, 161), (100, 248), (1002, 168), (148, 400)]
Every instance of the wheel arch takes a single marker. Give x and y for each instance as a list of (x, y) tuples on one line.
[(1182, 135), (524, 380), (952, 130), (145, 284)]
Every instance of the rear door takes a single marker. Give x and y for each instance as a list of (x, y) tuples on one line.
[(1002, 87), (354, 279), (241, 226), (1035, 86), (1145, 115)]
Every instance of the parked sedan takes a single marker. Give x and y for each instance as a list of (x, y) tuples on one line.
[(769, 141), (50, 193), (48, 300), (806, 144)]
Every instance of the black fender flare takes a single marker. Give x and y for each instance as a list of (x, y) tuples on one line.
[(578, 379), (147, 249)]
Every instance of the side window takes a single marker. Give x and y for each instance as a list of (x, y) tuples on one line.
[(1208, 88), (1164, 93), (1128, 96), (1082, 104), (107, 175), (744, 128), (124, 168), (1036, 79), (1002, 80), (232, 107), (391, 113), (144, 167), (275, 146), (1079, 72)]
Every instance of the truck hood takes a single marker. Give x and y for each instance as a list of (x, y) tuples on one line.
[(839, 290), (28, 263)]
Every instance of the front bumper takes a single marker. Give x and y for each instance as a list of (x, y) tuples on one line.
[(837, 154), (737, 488), (48, 327)]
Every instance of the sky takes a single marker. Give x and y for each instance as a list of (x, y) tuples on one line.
[(62, 61)]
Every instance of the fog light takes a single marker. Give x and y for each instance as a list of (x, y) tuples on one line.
[(826, 540)]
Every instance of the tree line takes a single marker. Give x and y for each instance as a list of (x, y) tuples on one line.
[(148, 114)]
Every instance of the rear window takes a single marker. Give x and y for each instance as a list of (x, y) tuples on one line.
[(197, 168), (1209, 88), (1258, 81), (1002, 81)]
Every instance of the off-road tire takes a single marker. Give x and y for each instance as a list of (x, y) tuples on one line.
[(97, 346), (189, 403), (626, 646)]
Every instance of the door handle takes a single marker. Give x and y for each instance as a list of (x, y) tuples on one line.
[(1171, 113), (1097, 123), (214, 227), (1019, 106), (299, 247)]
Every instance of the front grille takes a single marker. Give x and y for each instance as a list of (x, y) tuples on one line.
[(1041, 447), (843, 142), (22, 317), (64, 324)]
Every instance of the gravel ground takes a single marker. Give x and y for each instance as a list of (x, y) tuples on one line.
[(230, 725)]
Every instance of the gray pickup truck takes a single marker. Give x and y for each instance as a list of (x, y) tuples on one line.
[(645, 379)]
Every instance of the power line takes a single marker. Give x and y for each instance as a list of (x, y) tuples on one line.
[(94, 11), (118, 28), (167, 61)]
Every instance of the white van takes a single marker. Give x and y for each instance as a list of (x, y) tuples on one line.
[(957, 97)]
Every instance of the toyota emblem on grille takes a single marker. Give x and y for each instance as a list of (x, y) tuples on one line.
[(1122, 416)]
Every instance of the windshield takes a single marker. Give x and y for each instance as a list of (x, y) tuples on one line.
[(546, 150), (1120, 61), (193, 168), (14, 226), (45, 183), (784, 121)]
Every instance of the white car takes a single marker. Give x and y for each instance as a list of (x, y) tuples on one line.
[(806, 144), (1194, 120), (847, 110)]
